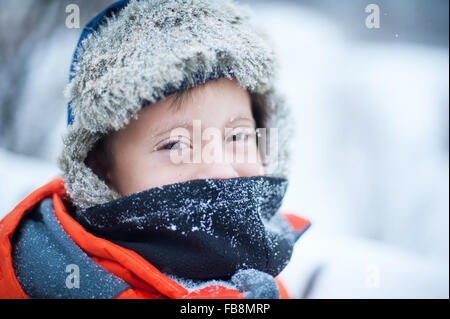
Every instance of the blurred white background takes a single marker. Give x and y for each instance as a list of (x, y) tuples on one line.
[(371, 149)]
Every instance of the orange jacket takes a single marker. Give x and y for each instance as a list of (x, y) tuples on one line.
[(144, 280)]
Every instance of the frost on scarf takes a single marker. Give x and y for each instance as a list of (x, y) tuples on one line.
[(205, 229)]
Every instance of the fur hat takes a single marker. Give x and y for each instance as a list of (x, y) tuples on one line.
[(137, 52)]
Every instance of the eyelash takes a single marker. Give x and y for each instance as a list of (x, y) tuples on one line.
[(248, 133), (172, 143)]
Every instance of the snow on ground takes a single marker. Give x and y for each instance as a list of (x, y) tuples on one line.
[(370, 156), (370, 152), (19, 176), (327, 266)]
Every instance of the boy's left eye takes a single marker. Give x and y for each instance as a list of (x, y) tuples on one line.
[(237, 137), (241, 136)]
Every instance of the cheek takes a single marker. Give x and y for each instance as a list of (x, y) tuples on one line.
[(159, 175), (138, 173), (249, 169), (246, 162), (250, 163), (256, 168)]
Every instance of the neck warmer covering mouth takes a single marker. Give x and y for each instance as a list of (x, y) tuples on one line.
[(200, 229)]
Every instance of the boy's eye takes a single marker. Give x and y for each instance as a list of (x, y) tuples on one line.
[(175, 145), (238, 137), (241, 136)]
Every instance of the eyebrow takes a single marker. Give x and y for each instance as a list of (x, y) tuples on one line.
[(242, 118), (189, 124), (184, 124)]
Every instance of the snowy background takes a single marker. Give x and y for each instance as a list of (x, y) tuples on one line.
[(371, 149)]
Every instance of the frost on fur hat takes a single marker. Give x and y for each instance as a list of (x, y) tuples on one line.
[(137, 52)]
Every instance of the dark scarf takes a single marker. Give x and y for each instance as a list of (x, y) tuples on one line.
[(200, 229)]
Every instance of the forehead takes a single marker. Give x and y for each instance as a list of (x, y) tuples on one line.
[(214, 103)]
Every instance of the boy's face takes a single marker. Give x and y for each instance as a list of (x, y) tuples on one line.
[(148, 153)]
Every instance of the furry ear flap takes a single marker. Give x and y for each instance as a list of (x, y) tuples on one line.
[(99, 160)]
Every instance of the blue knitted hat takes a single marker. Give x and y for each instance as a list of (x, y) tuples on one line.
[(88, 29)]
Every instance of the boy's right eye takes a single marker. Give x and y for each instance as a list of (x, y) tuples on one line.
[(175, 145)]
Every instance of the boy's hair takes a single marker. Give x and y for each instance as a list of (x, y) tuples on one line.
[(138, 51), (180, 97)]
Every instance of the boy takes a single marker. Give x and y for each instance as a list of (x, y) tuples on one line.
[(146, 208)]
